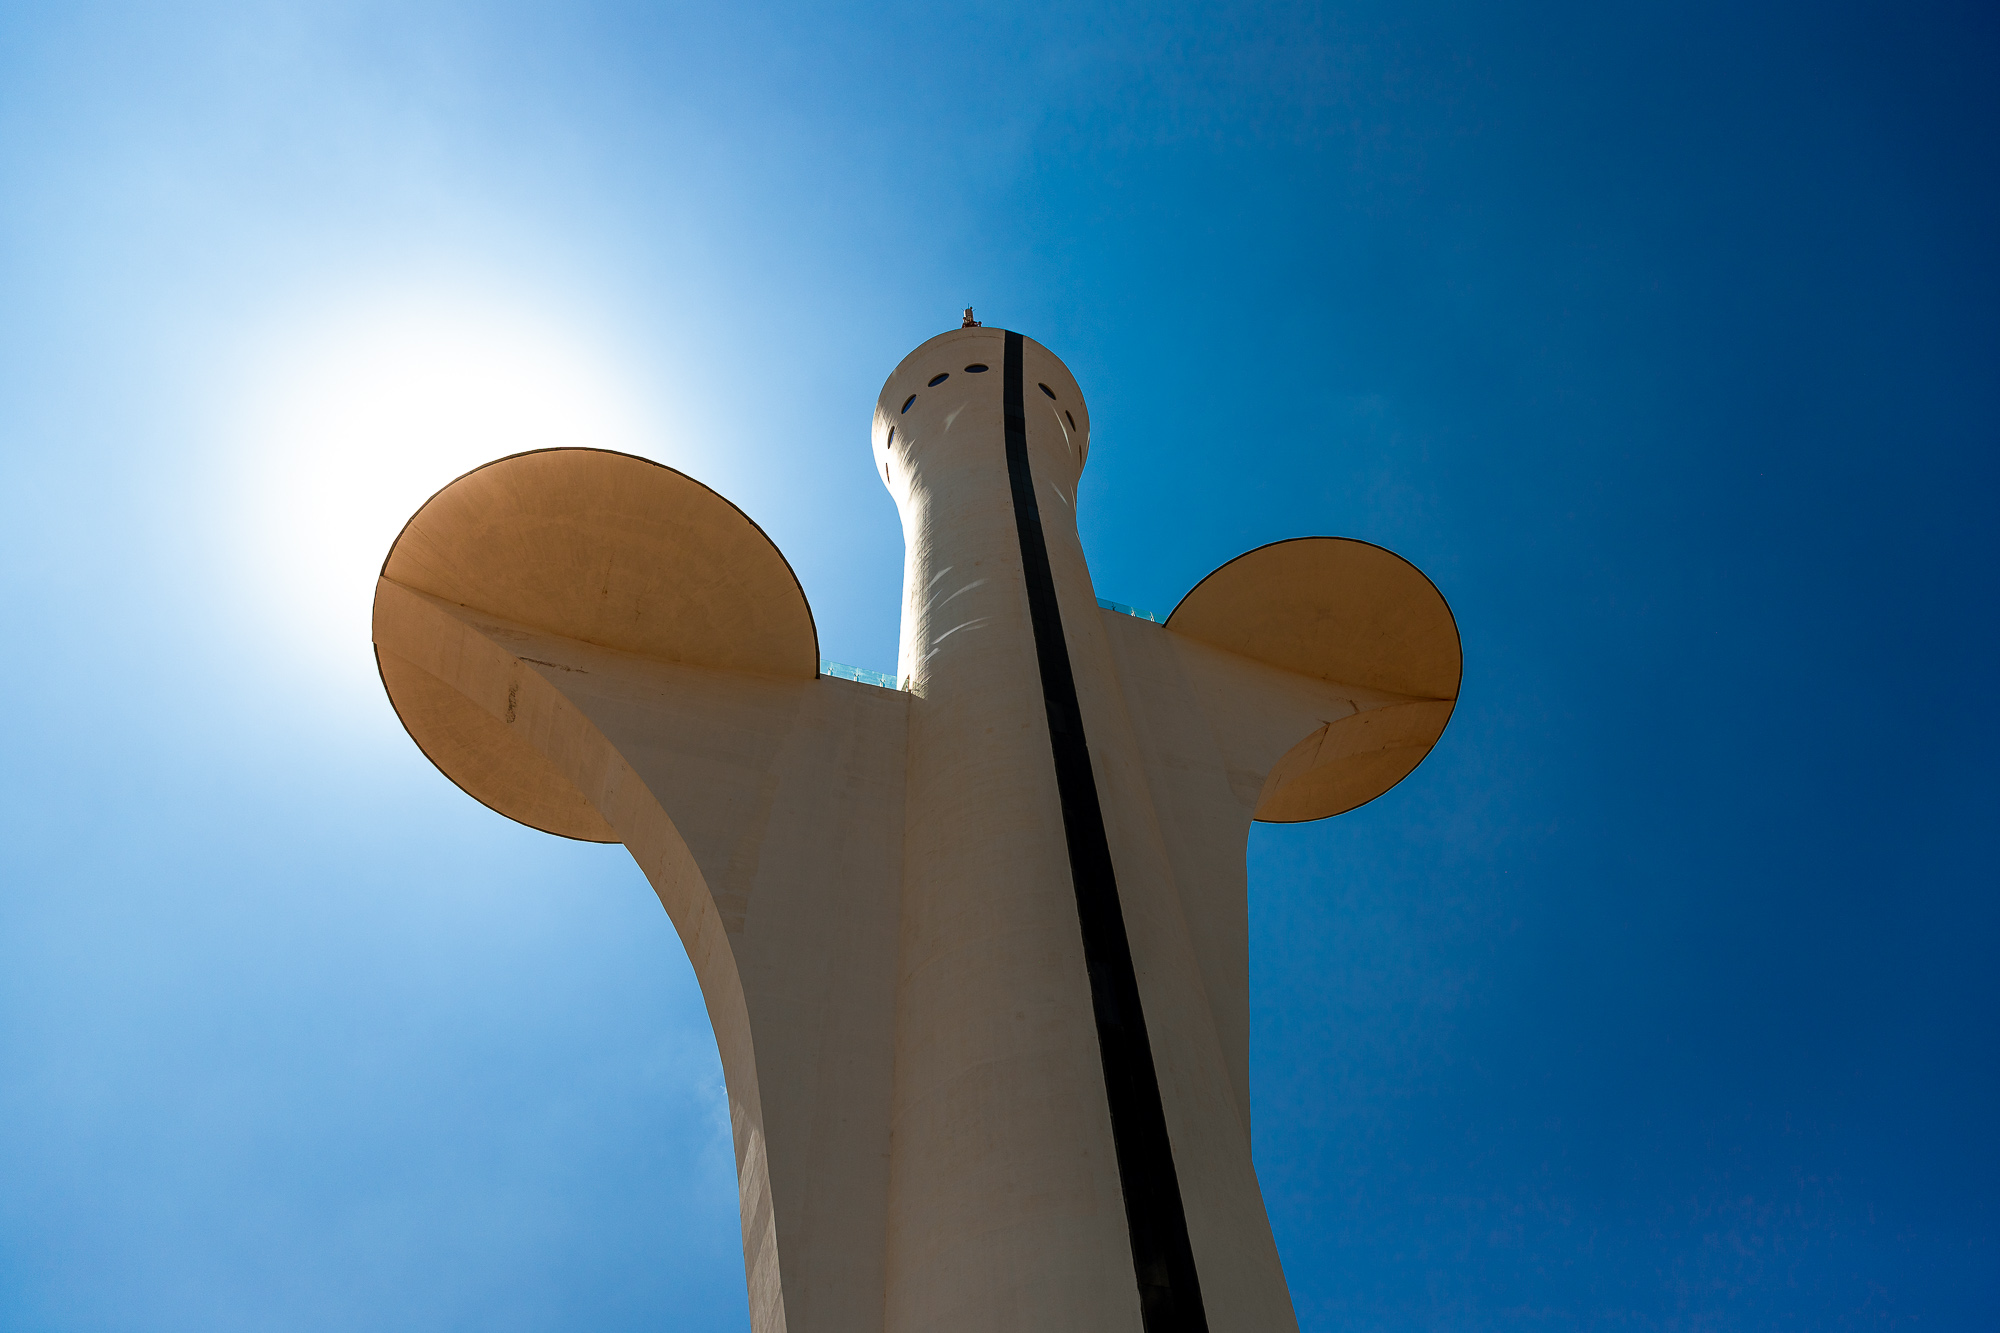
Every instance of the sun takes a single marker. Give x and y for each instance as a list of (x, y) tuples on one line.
[(353, 422)]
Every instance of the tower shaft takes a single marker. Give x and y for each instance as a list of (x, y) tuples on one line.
[(1062, 1101)]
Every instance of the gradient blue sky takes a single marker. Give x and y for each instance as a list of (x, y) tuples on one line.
[(1663, 996)]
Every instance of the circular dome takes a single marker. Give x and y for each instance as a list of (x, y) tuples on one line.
[(1354, 614), (603, 547)]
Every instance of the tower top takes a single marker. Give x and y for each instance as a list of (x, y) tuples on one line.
[(970, 322)]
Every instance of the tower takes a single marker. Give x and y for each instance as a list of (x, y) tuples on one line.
[(975, 947)]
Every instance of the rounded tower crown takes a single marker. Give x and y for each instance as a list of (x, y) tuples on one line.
[(950, 388)]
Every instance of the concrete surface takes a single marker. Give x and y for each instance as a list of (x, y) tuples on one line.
[(887, 894)]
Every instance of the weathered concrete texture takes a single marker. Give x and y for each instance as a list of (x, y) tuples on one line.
[(876, 887)]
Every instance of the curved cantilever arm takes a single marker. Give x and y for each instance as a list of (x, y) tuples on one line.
[(600, 647), (1339, 668), (602, 548), (1300, 680)]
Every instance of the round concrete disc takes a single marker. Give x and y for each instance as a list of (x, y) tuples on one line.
[(1347, 612), (604, 547), (481, 754)]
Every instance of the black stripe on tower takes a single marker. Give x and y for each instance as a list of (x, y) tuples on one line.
[(1162, 1258)]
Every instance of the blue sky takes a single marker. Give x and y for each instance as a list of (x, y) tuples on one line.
[(1660, 336)]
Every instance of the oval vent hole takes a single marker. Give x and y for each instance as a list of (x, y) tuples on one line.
[(1067, 417), (907, 401), (1046, 389), (940, 379), (890, 443), (975, 369)]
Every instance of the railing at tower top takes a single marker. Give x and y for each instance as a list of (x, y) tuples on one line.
[(862, 674), (888, 682), (1136, 612)]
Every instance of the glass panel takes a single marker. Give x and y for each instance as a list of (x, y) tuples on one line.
[(1138, 613), (846, 672)]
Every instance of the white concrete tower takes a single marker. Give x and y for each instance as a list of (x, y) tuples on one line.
[(975, 949), (1033, 1176)]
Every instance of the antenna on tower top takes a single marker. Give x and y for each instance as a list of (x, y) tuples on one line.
[(970, 322)]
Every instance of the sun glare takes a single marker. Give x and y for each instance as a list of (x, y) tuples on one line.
[(354, 424)]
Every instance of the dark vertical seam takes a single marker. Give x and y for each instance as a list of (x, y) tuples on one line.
[(1162, 1257)]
